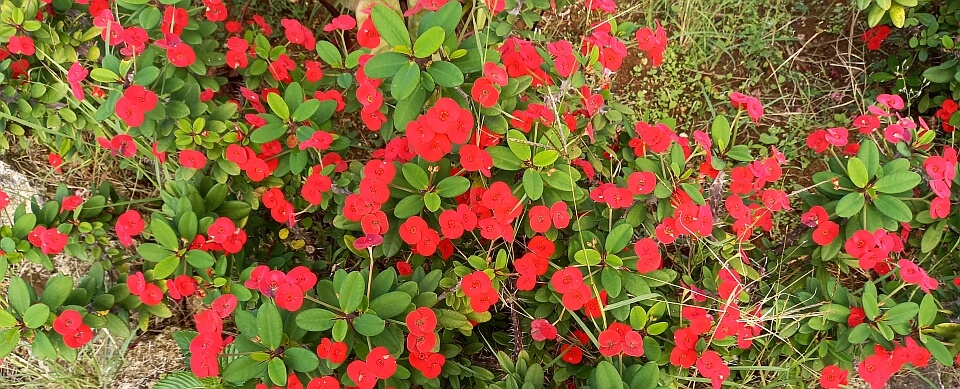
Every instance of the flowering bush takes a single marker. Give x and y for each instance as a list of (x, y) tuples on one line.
[(441, 198)]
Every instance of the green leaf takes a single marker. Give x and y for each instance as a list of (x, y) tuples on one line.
[(316, 319), (269, 326), (18, 295), (858, 172), (869, 154), (406, 81), (57, 291), (7, 320), (153, 252), (409, 206), (330, 54), (503, 158), (300, 359), (897, 182), (390, 25), (431, 201), (408, 109), (368, 324), (24, 225), (277, 371), (532, 184), (859, 333), (516, 141), (693, 191), (390, 304), (606, 376), (937, 349), (104, 75), (589, 257), (166, 267), (928, 311), (850, 204), (352, 291), (835, 312), (558, 179), (545, 158), (415, 176), (940, 74), (453, 186), (200, 259), (243, 369), (610, 278), (893, 208), (898, 15), (180, 380), (885, 4), (385, 64), (445, 74), (450, 319), (163, 233), (720, 132), (278, 106), (268, 132), (870, 307), (306, 110), (901, 313), (36, 316), (428, 42), (618, 238)]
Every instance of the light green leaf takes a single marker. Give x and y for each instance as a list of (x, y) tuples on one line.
[(390, 25), (428, 42), (278, 106)]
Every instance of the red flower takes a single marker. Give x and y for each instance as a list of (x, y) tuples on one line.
[(566, 280), (152, 295), (53, 241), (422, 321), (224, 305), (475, 159), (411, 231), (70, 203), (192, 159), (367, 35), (404, 269), (55, 161), (181, 55), (484, 92), (826, 233), (381, 363), (875, 36), (335, 352), (342, 22), (129, 223), (814, 216), (21, 45), (361, 373), (81, 336), (571, 354), (710, 365), (541, 330), (836, 136), (68, 322), (577, 298), (325, 382), (641, 183), (648, 253), (682, 357), (539, 217), (913, 274), (877, 370)]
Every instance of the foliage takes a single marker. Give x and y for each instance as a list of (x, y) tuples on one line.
[(444, 198)]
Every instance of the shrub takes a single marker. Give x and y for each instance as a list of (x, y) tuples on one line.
[(446, 199)]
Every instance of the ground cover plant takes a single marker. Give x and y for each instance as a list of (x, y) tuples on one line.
[(440, 195)]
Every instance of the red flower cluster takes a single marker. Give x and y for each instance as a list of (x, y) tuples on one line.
[(286, 288), (379, 365), (913, 274), (434, 133), (751, 104), (945, 112), (941, 170), (206, 347), (49, 240), (875, 36), (422, 341), (149, 293), (653, 43), (689, 219), (122, 145), (479, 288), (333, 351), (612, 49), (298, 34), (256, 166), (873, 249), (520, 57), (569, 283), (534, 263), (648, 255), (181, 286), (136, 101), (833, 377), (883, 364), (21, 45), (129, 223), (280, 209), (236, 55), (618, 339), (315, 186), (484, 90), (826, 231), (70, 325), (711, 366), (541, 330), (224, 235)]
